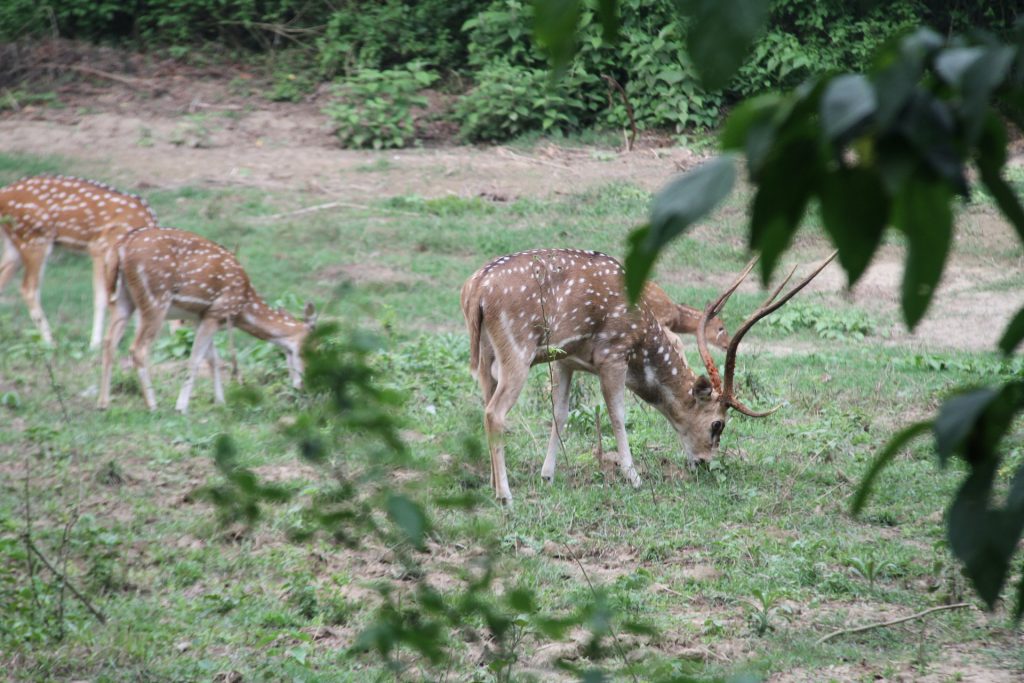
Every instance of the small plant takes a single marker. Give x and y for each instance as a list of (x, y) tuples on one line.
[(869, 568), (145, 137), (375, 108), (291, 86), (192, 132), (175, 346), (764, 609)]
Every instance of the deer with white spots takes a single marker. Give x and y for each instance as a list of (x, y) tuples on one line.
[(38, 212), (683, 319), (567, 307), (172, 273)]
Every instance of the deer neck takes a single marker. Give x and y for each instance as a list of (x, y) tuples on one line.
[(266, 323), (654, 369)]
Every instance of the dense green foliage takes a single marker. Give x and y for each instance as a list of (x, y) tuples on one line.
[(488, 50)]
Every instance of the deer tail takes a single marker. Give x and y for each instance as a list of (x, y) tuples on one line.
[(112, 271), (474, 316)]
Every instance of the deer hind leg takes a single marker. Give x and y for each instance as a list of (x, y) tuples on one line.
[(613, 387), (218, 388), (122, 311), (9, 261), (200, 350), (149, 323), (34, 258), (511, 378), (487, 371), (561, 382), (99, 298)]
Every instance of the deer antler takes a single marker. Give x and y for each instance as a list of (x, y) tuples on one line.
[(764, 310), (710, 311)]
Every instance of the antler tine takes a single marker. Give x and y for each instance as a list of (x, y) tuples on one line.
[(736, 405), (769, 300), (763, 311), (713, 309)]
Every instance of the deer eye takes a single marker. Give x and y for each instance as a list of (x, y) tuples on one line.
[(716, 428)]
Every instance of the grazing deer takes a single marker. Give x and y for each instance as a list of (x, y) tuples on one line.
[(567, 307), (165, 272), (38, 212), (682, 319)]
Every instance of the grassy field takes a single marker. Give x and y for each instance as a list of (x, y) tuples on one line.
[(742, 567)]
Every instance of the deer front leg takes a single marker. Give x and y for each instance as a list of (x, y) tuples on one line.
[(34, 257), (150, 321), (510, 383), (214, 360), (122, 310), (561, 383), (200, 348), (9, 262), (613, 387)]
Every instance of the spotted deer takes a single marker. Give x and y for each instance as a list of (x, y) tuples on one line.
[(38, 212), (172, 273), (567, 307), (683, 319)]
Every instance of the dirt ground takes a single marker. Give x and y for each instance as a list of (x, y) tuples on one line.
[(158, 124)]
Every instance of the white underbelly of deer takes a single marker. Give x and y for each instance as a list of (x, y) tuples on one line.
[(567, 307)]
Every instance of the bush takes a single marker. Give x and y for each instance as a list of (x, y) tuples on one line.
[(509, 101), (388, 34), (375, 108)]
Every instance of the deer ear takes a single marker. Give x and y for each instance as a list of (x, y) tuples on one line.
[(702, 388), (310, 313)]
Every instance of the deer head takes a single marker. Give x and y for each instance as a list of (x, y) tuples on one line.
[(714, 396)]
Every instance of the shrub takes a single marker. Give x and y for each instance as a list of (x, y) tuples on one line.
[(509, 101), (375, 108)]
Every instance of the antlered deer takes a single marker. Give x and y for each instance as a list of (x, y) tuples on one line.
[(38, 212), (683, 319), (567, 307), (166, 272)]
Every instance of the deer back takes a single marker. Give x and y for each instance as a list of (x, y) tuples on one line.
[(195, 277), (72, 211)]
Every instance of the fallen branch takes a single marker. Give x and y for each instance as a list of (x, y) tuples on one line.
[(329, 205), (883, 624), (135, 83), (63, 579)]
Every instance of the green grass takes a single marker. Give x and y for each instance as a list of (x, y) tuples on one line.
[(751, 561)]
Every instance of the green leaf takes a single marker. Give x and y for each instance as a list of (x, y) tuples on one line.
[(956, 420), (608, 13), (983, 77), (1013, 334), (847, 102), (554, 28), (891, 450), (982, 537), (719, 35), (953, 63), (679, 205), (787, 182), (408, 517), (855, 210), (991, 157), (924, 213)]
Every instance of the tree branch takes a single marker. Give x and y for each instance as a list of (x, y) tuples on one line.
[(883, 624)]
